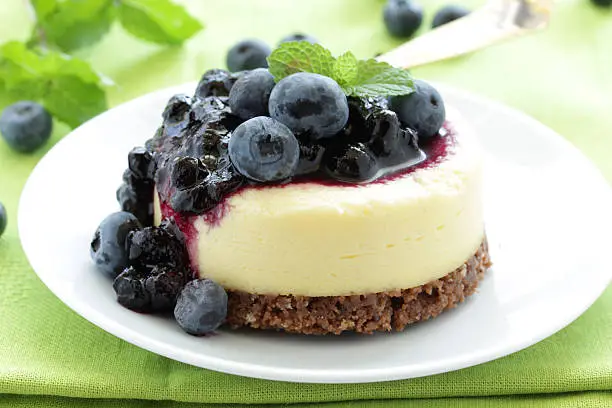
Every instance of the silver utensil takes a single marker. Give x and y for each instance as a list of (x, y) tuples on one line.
[(496, 21)]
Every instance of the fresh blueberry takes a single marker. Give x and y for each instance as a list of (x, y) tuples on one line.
[(152, 246), (25, 126), (299, 37), (248, 54), (402, 17), (449, 13), (250, 94), (3, 219), (201, 307), (264, 149), (109, 246), (215, 82), (187, 172), (141, 163), (422, 110), (309, 103), (353, 164)]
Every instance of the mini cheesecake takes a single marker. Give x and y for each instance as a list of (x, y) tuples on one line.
[(345, 243)]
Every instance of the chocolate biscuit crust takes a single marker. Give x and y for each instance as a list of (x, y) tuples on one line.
[(368, 313)]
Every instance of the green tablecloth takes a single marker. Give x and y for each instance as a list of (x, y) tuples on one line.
[(50, 357)]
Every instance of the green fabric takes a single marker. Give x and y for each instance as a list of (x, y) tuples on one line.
[(50, 357)]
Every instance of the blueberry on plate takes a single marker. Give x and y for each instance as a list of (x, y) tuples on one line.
[(422, 110), (353, 164), (152, 290), (201, 307), (25, 126), (402, 17), (309, 103), (264, 150), (3, 219), (299, 37), (109, 246), (250, 94), (449, 13), (215, 82), (248, 54)]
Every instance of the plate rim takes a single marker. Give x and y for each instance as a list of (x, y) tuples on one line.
[(311, 375)]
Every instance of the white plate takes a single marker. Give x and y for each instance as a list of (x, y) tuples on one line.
[(548, 221)]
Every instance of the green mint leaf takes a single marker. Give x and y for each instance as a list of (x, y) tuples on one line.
[(345, 69), (71, 25), (68, 87), (376, 78), (300, 56), (72, 100), (158, 21)]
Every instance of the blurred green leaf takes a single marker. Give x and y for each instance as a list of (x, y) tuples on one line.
[(69, 24), (158, 21), (68, 87)]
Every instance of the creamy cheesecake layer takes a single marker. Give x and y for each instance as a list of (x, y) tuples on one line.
[(311, 239)]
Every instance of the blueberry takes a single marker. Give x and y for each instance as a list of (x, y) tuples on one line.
[(263, 150), (423, 110), (353, 164), (449, 13), (309, 103), (151, 290), (176, 115), (384, 128), (141, 163), (138, 200), (130, 290), (201, 307), (187, 172), (311, 155), (153, 246), (299, 37), (402, 17), (215, 82), (3, 219), (25, 126), (250, 95), (109, 246), (248, 54)]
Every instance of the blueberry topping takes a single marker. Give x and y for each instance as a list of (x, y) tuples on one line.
[(138, 200), (449, 13), (299, 37), (201, 307), (264, 150), (309, 103), (153, 246), (247, 55), (354, 164), (402, 17), (3, 219), (140, 162), (176, 115), (250, 95), (311, 155), (423, 110), (187, 172), (25, 126), (385, 130), (215, 82), (153, 290), (109, 247)]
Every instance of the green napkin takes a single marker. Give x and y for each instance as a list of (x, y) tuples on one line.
[(50, 357)]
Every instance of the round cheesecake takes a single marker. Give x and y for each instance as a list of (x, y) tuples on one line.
[(295, 204), (358, 250)]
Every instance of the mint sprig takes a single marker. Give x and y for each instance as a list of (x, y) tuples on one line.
[(356, 77)]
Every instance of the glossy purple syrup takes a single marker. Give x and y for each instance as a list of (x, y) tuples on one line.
[(437, 150)]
